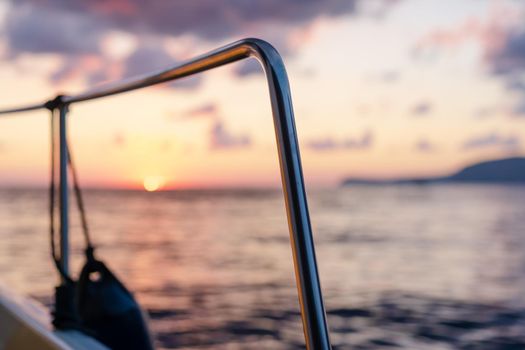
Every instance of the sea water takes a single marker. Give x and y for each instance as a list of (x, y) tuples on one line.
[(416, 267)]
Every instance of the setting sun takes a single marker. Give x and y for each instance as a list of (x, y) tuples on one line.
[(153, 183)]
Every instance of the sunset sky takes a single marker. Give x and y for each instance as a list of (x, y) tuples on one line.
[(380, 89)]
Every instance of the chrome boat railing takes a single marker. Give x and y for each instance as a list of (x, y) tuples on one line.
[(306, 271)]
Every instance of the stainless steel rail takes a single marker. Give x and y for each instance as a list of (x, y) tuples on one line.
[(307, 277), (63, 198)]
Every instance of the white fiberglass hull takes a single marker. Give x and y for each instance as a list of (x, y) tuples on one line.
[(26, 324)]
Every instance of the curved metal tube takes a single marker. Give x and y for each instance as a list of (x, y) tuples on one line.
[(307, 278), (23, 109)]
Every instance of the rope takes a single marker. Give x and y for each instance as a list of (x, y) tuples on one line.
[(80, 202)]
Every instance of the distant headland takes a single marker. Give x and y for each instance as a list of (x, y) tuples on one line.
[(508, 170)]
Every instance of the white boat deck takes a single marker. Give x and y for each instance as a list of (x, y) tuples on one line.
[(26, 324)]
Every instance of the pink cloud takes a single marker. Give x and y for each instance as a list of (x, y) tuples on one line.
[(222, 138)]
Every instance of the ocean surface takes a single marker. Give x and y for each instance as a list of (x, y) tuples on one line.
[(415, 267)]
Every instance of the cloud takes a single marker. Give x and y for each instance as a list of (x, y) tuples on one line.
[(330, 144), (509, 65), (207, 19), (153, 57), (94, 69), (221, 138), (64, 72), (519, 109), (447, 39), (516, 85), (507, 61), (74, 29), (147, 58), (509, 57), (57, 26), (36, 29), (390, 76), (485, 112), (501, 39), (492, 140), (425, 146), (421, 109), (248, 67), (205, 110)]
